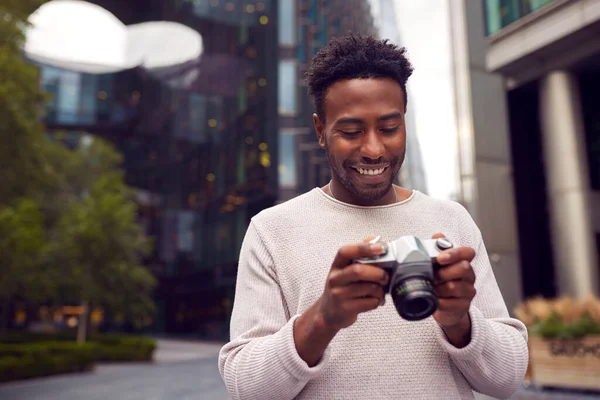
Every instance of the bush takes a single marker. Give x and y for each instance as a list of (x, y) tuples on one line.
[(112, 347), (21, 361), (562, 318), (30, 337), (108, 347)]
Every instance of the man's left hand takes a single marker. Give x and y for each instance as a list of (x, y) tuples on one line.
[(455, 288)]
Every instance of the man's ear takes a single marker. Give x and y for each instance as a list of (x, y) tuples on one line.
[(320, 129)]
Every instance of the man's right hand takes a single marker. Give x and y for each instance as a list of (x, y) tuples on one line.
[(350, 289)]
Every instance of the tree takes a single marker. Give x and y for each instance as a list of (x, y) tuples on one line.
[(67, 219), (21, 245), (21, 99), (24, 172), (98, 239)]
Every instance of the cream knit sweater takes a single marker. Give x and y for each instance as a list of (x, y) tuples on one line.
[(284, 261)]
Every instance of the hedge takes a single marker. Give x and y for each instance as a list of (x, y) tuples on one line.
[(110, 347), (28, 355), (21, 361)]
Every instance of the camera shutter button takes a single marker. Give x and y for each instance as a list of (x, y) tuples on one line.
[(443, 244)]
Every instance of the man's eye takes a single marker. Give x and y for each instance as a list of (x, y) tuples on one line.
[(350, 133), (389, 131)]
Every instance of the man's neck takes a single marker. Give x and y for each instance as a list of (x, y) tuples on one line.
[(339, 192)]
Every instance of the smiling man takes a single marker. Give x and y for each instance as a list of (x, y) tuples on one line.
[(309, 322)]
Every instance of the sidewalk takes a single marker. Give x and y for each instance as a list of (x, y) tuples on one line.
[(174, 350), (183, 370)]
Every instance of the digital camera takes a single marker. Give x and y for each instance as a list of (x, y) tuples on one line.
[(410, 263)]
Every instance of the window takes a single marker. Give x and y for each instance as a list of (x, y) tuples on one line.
[(500, 13), (493, 16), (287, 160), (287, 22), (287, 87), (301, 50), (313, 12), (323, 36), (65, 87)]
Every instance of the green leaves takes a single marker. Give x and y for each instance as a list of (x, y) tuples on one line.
[(21, 246), (554, 327), (97, 236), (68, 222), (21, 101)]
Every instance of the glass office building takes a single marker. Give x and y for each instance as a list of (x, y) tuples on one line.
[(304, 27), (199, 142)]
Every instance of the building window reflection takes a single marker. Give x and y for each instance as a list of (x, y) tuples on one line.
[(288, 96), (86, 99), (287, 160), (287, 22)]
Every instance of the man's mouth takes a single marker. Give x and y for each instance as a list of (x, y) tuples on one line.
[(371, 170)]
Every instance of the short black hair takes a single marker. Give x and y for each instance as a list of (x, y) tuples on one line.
[(356, 57)]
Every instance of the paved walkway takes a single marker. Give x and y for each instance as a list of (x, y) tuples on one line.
[(182, 371), (179, 350)]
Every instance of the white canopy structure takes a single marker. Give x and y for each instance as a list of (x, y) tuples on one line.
[(84, 37)]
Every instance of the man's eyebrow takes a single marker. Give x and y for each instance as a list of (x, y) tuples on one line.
[(351, 120), (387, 117)]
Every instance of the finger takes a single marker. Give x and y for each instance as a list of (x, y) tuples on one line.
[(360, 305), (358, 273), (459, 270), (357, 290), (455, 290), (454, 305), (346, 254), (438, 236), (362, 289), (451, 256)]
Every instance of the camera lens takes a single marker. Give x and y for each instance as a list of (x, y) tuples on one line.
[(414, 298)]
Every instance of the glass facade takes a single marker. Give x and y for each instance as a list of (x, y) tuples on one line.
[(288, 97), (200, 144), (287, 22), (302, 164), (287, 156), (501, 13), (84, 99)]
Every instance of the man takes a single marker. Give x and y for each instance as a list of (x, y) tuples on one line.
[(307, 322)]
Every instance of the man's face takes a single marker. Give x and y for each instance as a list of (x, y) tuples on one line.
[(364, 134)]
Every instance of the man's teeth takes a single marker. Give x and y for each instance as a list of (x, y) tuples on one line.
[(371, 171)]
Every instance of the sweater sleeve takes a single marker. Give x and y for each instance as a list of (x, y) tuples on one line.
[(261, 360), (495, 361)]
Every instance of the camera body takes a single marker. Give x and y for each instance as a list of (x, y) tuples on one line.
[(410, 263)]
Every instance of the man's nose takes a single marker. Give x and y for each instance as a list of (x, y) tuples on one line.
[(372, 147)]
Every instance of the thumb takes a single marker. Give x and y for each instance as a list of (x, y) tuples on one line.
[(438, 236)]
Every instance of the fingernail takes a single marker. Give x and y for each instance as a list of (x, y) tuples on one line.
[(385, 280), (375, 239), (376, 247)]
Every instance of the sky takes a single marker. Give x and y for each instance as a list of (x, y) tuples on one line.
[(424, 28)]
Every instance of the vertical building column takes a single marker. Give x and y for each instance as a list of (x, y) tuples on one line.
[(573, 240), (484, 151)]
